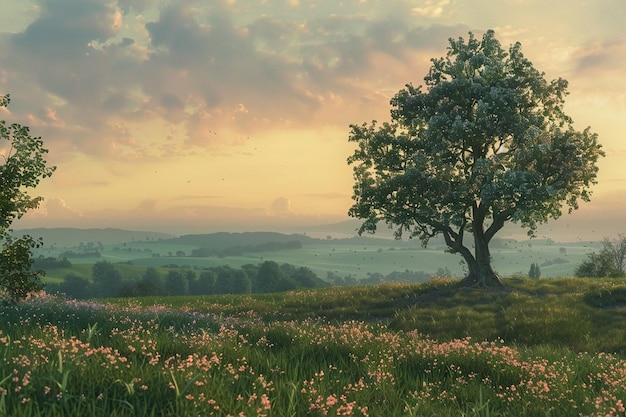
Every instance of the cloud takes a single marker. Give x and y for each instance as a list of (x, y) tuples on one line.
[(126, 80), (431, 9), (600, 57), (148, 205), (328, 196), (281, 207), (55, 209), (136, 5), (116, 87), (195, 219), (212, 60), (434, 38), (65, 28), (67, 63)]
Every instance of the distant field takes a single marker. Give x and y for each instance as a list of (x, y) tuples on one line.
[(343, 257)]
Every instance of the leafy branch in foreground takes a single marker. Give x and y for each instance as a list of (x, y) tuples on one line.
[(22, 167)]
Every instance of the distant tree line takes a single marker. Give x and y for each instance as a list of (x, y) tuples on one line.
[(555, 261), (89, 254), (107, 281), (49, 262), (242, 249), (374, 278), (84, 250)]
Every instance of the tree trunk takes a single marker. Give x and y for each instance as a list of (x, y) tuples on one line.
[(480, 272), (479, 265)]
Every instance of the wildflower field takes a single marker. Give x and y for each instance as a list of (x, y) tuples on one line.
[(331, 352)]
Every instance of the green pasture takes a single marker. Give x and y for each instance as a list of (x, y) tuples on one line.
[(344, 257)]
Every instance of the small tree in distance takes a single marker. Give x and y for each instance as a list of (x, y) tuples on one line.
[(22, 166), (534, 271), (486, 143), (107, 279)]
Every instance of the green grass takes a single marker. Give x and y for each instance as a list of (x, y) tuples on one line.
[(554, 347), (347, 257)]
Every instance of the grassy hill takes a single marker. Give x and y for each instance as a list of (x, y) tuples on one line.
[(225, 240), (68, 236), (581, 314)]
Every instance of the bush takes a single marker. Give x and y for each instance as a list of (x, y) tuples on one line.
[(598, 265), (17, 278)]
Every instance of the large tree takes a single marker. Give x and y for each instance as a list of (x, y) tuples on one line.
[(483, 143), (22, 166)]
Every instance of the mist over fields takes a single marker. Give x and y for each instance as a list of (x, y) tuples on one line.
[(330, 250)]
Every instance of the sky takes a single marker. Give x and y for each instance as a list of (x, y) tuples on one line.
[(228, 115)]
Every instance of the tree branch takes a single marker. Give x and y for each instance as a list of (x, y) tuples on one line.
[(498, 223)]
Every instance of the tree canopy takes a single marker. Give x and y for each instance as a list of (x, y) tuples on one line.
[(483, 142), (22, 166)]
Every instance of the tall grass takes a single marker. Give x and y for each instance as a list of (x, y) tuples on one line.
[(362, 351)]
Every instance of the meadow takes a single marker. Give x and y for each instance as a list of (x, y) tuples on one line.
[(547, 347), (355, 257)]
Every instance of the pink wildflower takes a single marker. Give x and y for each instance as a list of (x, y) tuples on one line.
[(265, 402)]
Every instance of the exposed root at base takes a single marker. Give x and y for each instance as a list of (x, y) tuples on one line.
[(482, 283)]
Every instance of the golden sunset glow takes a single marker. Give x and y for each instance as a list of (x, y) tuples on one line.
[(192, 116)]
